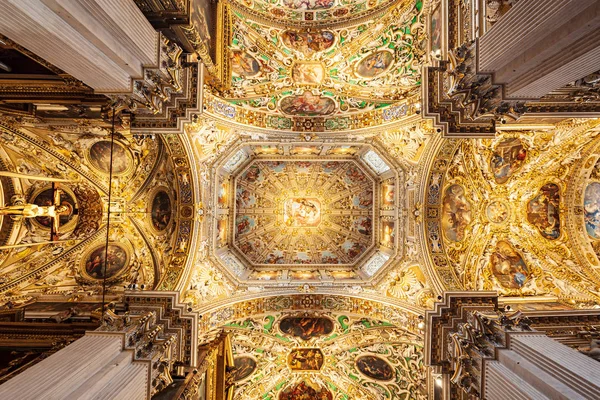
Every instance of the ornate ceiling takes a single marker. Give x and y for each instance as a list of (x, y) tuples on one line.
[(335, 67), (303, 212), (310, 184)]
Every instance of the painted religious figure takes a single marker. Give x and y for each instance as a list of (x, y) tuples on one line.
[(244, 367), (307, 104), (99, 267), (221, 232), (305, 359), (508, 266), (46, 198), (375, 368), (243, 64), (363, 225), (375, 64), (388, 192), (543, 211), (308, 73), (388, 234), (302, 212), (306, 327), (161, 211), (50, 212), (363, 200), (308, 4), (306, 391), (456, 213), (591, 206), (308, 43), (100, 157), (507, 159), (244, 224)]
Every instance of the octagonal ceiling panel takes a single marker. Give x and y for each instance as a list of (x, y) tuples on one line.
[(303, 212)]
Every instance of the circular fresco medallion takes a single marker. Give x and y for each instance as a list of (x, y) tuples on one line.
[(99, 157), (375, 64), (161, 211), (375, 368), (67, 217), (94, 264), (591, 207), (244, 367), (497, 212)]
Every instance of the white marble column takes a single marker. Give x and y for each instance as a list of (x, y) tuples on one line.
[(130, 356), (542, 45), (93, 367), (535, 366), (104, 43)]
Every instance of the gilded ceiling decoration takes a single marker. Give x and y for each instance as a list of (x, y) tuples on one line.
[(516, 214), (304, 212), (295, 212), (342, 77), (147, 238), (283, 356)]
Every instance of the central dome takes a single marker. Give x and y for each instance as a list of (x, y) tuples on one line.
[(303, 212)]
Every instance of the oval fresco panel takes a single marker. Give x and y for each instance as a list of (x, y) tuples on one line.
[(543, 211), (591, 205), (99, 156), (244, 367), (307, 104), (456, 213), (46, 198), (508, 266), (244, 64), (375, 368), (507, 159), (375, 64), (306, 390), (161, 211), (117, 258), (308, 43), (306, 327)]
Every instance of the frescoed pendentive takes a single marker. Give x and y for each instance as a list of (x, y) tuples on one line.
[(306, 391), (99, 156), (306, 327), (96, 267), (308, 43), (375, 368), (305, 359), (243, 64), (508, 266), (46, 198), (591, 206), (161, 211), (375, 64), (307, 105), (543, 211), (456, 213), (244, 367), (509, 156)]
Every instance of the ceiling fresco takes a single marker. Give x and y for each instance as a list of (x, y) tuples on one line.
[(516, 214), (310, 79), (330, 356), (144, 236), (303, 212)]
